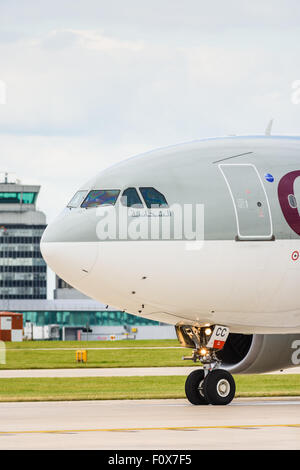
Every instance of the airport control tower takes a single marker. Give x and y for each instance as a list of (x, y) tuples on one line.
[(23, 272)]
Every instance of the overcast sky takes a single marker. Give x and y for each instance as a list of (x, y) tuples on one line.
[(91, 82)]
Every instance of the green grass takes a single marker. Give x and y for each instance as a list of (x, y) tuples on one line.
[(112, 388), (267, 385), (53, 359), (27, 355)]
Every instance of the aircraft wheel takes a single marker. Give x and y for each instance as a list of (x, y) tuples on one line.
[(219, 387), (194, 388)]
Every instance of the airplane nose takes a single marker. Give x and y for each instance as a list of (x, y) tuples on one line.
[(69, 246)]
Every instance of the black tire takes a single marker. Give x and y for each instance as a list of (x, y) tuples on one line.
[(193, 387), (219, 387)]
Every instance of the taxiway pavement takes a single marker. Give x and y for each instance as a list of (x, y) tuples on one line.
[(151, 424), (111, 372)]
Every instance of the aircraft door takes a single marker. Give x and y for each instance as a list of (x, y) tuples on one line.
[(250, 201)]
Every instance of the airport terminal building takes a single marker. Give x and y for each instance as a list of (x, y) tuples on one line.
[(85, 319), (23, 272)]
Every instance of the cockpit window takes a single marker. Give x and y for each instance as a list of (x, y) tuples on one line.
[(101, 197), (153, 198), (77, 199), (130, 198)]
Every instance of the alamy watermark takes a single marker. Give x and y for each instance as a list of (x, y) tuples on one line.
[(2, 352), (296, 353), (2, 92), (177, 222), (295, 96)]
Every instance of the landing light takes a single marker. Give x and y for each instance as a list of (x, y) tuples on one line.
[(208, 331), (203, 352)]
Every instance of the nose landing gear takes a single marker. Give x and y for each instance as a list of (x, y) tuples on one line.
[(211, 384), (194, 388), (216, 388)]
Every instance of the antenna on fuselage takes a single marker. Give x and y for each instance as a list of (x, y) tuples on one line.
[(269, 127)]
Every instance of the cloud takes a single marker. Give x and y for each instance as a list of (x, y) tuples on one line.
[(159, 17), (82, 82), (87, 39), (89, 83)]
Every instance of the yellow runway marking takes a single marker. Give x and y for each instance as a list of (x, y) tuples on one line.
[(162, 428)]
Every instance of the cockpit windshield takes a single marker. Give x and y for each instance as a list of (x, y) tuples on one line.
[(108, 197), (153, 198), (101, 197), (130, 198), (77, 199)]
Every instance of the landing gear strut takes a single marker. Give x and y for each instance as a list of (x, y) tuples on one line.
[(211, 384)]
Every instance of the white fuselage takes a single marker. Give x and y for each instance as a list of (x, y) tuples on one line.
[(250, 286), (243, 272)]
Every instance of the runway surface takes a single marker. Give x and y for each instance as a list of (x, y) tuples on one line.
[(151, 424), (111, 372)]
